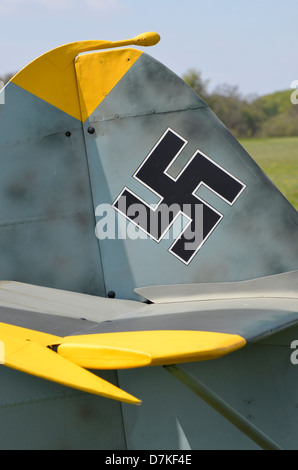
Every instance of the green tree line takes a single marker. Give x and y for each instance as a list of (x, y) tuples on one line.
[(272, 115)]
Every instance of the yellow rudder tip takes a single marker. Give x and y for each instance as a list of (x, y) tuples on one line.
[(146, 39)]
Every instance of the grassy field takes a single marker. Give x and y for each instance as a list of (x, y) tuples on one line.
[(278, 158)]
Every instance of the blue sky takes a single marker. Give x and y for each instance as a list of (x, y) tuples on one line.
[(251, 44)]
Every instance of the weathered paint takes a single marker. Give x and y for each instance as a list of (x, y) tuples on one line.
[(54, 175), (97, 74), (128, 123), (52, 76), (38, 414), (46, 209), (259, 381)]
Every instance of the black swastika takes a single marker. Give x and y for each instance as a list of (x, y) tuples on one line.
[(179, 195)]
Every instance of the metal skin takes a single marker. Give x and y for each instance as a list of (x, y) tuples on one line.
[(76, 132)]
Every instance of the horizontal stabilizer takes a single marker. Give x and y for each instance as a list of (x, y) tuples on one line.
[(162, 347), (58, 344), (88, 351), (32, 358)]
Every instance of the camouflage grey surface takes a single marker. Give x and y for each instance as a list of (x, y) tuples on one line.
[(54, 176), (52, 185), (257, 235)]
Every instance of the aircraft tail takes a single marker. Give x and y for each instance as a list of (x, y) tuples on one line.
[(116, 175)]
